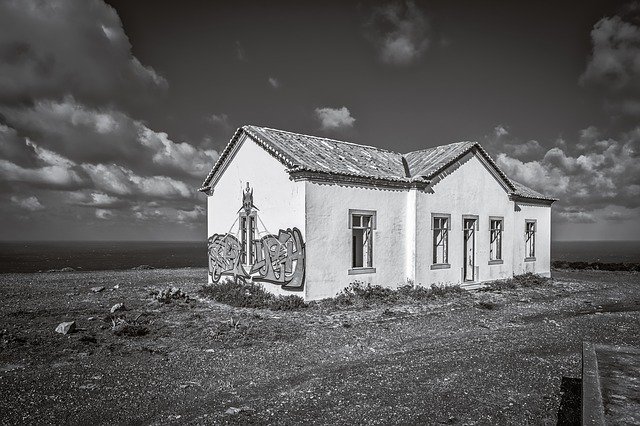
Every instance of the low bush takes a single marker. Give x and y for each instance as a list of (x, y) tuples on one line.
[(361, 294), (250, 295), (523, 280)]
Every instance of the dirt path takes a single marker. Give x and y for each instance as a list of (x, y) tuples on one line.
[(481, 358)]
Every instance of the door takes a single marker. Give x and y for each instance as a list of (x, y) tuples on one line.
[(469, 249)]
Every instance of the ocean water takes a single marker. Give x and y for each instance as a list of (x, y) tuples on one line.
[(596, 251), (100, 255), (93, 255)]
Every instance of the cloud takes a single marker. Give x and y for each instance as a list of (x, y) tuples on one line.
[(575, 217), (117, 180), (28, 203), (178, 156), (70, 92), (51, 48), (104, 214), (274, 82), (399, 31), (614, 67), (221, 120), (52, 177), (90, 135), (601, 173), (500, 141), (334, 118)]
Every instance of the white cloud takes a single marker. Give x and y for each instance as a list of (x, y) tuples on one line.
[(181, 156), (221, 120), (334, 118), (500, 131), (104, 214), (614, 66), (399, 31), (57, 47), (27, 203), (274, 82), (55, 177), (114, 179), (603, 173)]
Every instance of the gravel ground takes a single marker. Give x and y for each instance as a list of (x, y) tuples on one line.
[(509, 357)]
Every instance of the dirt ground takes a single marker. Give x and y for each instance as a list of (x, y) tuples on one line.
[(510, 357)]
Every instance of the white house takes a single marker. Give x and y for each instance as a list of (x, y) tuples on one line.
[(307, 215)]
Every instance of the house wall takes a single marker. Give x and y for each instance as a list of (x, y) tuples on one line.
[(542, 263), (280, 200), (466, 188), (329, 238)]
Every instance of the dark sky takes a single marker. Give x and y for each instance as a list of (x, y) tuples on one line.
[(112, 114)]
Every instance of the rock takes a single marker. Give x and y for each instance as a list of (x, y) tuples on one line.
[(67, 269), (118, 307), (233, 410), (117, 286), (97, 289), (66, 327)]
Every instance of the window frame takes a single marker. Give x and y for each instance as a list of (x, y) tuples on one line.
[(435, 245), (493, 259), (369, 268), (530, 247)]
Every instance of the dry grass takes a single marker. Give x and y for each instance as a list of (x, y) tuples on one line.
[(250, 295)]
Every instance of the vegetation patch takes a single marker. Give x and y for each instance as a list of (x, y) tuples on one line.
[(525, 280), (250, 295), (630, 267), (359, 294)]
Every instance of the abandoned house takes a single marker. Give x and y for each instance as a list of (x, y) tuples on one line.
[(308, 215)]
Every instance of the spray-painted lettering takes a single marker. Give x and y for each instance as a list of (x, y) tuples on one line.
[(278, 259)]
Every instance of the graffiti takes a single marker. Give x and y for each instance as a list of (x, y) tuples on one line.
[(224, 257), (277, 259), (280, 260)]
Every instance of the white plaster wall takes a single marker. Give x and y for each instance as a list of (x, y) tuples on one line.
[(329, 238), (542, 215), (467, 188), (280, 200)]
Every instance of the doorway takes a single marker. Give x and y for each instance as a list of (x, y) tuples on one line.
[(468, 269)]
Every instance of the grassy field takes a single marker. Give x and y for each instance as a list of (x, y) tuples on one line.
[(508, 356)]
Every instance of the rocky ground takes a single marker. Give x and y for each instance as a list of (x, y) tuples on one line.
[(506, 357)]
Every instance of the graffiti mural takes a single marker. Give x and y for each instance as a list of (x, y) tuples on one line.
[(224, 257), (280, 260), (276, 259)]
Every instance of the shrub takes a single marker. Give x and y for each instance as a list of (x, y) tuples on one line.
[(250, 295), (524, 280), (361, 294)]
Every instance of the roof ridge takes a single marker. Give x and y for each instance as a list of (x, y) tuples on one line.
[(326, 139), (439, 146)]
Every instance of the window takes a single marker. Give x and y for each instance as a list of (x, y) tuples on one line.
[(495, 238), (247, 235), (530, 240), (362, 224), (441, 226)]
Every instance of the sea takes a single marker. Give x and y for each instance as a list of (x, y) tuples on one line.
[(111, 255)]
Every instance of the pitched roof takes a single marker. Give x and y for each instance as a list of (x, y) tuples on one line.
[(304, 153)]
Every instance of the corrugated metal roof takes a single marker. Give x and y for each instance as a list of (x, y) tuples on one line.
[(332, 157)]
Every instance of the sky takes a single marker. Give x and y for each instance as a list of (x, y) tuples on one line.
[(112, 114)]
